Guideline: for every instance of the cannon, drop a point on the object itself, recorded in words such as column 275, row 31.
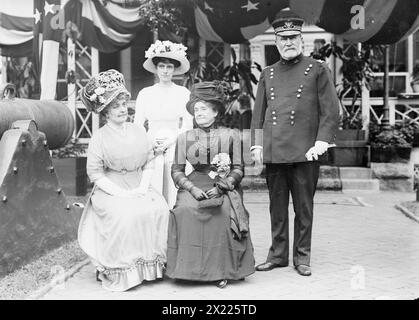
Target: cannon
column 52, row 118
column 35, row 214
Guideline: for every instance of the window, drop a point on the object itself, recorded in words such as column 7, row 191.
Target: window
column 398, row 71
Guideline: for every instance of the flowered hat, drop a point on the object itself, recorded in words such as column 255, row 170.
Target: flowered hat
column 167, row 49
column 208, row 91
column 102, row 89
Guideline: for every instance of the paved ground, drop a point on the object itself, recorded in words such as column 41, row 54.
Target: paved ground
column 363, row 248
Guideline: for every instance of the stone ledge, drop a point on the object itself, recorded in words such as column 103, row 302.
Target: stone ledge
column 392, row 170
column 394, row 176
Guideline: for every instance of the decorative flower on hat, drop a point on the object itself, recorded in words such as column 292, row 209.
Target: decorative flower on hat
column 161, row 47
column 102, row 89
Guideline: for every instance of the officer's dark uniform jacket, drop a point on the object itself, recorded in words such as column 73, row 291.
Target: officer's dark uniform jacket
column 296, row 104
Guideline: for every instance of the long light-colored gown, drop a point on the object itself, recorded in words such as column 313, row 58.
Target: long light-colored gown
column 164, row 111
column 126, row 238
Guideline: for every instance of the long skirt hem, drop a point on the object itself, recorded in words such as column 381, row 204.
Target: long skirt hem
column 122, row 279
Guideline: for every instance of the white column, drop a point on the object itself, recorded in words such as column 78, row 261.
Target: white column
column 95, row 71
column 95, row 61
column 3, row 79
column 202, row 49
column 338, row 76
column 410, row 61
column 365, row 105
column 257, row 54
column 126, row 70
column 71, row 87
column 227, row 54
column 392, row 112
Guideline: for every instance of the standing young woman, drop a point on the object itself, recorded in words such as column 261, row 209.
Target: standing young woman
column 123, row 228
column 161, row 109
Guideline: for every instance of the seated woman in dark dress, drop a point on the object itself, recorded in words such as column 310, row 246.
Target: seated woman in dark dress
column 209, row 237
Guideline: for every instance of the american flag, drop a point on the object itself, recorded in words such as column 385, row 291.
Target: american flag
column 47, row 33
column 234, row 21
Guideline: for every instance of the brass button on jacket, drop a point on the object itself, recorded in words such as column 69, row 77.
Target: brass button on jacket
column 284, row 139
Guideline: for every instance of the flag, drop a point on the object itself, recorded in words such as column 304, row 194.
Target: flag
column 16, row 24
column 383, row 22
column 108, row 26
column 47, row 33
column 234, row 21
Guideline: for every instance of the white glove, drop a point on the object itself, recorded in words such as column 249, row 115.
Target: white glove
column 319, row 148
column 257, row 155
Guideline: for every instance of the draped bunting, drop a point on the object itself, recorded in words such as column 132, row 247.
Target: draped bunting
column 46, row 45
column 16, row 25
column 235, row 21
column 386, row 22
column 107, row 27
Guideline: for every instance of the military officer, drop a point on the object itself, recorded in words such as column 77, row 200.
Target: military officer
column 297, row 108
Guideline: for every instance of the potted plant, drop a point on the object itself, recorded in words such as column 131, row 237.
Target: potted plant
column 415, row 79
column 70, row 165
column 351, row 145
column 392, row 145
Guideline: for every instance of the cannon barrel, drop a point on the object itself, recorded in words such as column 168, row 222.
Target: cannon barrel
column 52, row 117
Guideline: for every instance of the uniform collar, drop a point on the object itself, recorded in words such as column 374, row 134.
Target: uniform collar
column 292, row 61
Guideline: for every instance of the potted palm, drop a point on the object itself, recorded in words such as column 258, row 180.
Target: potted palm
column 351, row 145
column 70, row 165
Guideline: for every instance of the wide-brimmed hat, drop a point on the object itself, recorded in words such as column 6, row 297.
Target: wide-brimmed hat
column 208, row 91
column 170, row 50
column 287, row 23
column 102, row 89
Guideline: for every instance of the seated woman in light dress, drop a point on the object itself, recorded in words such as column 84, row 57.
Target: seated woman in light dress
column 123, row 228
column 209, row 237
column 161, row 109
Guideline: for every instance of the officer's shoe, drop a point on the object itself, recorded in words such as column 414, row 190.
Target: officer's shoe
column 267, row 266
column 303, row 270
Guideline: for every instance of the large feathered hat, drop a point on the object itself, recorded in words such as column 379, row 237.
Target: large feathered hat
column 170, row 50
column 208, row 91
column 102, row 89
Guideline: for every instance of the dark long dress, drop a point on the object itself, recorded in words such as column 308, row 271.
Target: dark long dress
column 201, row 243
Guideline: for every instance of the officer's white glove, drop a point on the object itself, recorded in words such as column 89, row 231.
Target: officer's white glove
column 257, row 156
column 319, row 148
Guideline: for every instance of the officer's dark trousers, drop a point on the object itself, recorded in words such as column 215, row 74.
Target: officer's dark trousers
column 301, row 180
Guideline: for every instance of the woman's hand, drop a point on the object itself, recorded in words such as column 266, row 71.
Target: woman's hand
column 198, row 194
column 213, row 193
column 161, row 146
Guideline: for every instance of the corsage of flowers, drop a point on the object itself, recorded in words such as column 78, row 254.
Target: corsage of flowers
column 98, row 94
column 222, row 163
column 160, row 47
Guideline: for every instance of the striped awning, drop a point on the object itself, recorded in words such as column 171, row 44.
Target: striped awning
column 234, row 21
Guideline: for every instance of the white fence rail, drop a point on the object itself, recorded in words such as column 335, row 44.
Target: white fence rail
column 399, row 109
